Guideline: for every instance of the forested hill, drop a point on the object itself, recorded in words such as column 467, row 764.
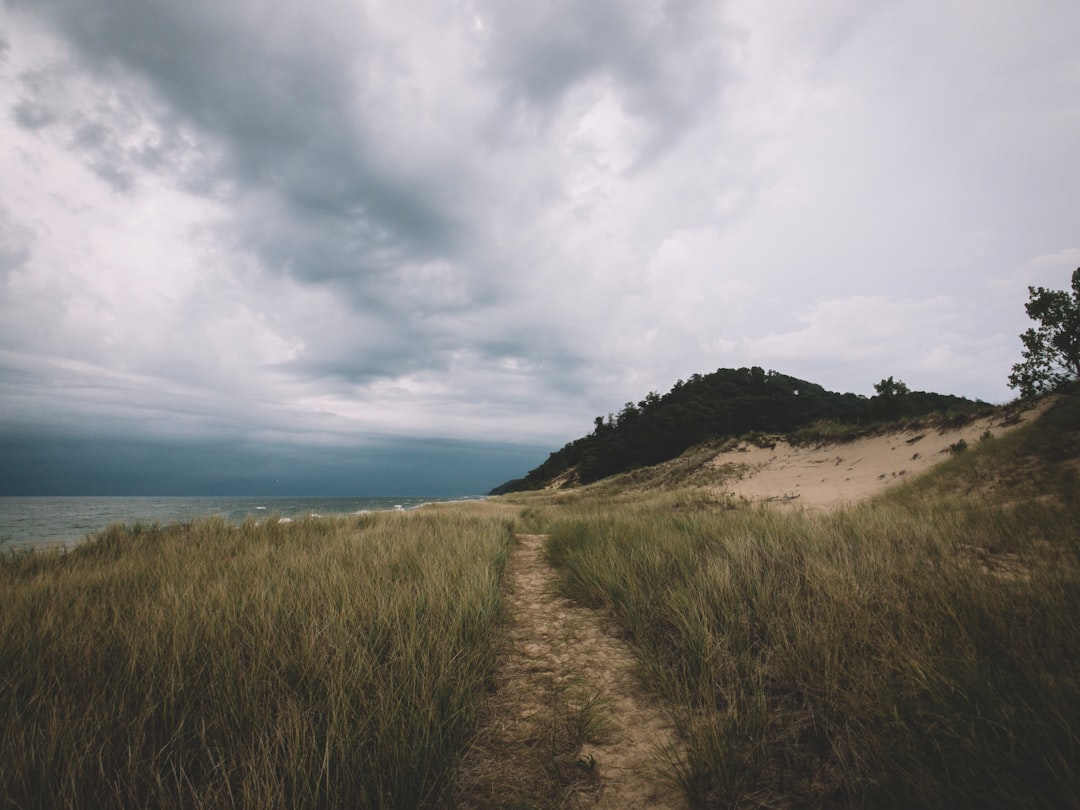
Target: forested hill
column 728, row 402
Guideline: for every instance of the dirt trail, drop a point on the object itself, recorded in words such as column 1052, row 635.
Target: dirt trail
column 563, row 677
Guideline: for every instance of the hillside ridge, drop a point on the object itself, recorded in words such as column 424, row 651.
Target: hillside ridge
column 726, row 403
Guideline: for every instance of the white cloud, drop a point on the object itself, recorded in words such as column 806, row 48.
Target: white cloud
column 932, row 344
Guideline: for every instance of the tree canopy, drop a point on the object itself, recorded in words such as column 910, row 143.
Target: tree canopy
column 1052, row 350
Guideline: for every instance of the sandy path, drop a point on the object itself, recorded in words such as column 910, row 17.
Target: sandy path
column 559, row 656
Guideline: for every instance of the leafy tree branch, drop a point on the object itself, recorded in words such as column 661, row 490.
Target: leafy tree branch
column 1051, row 351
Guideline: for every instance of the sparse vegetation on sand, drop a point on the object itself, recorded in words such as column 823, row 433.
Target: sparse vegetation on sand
column 920, row 649
column 321, row 663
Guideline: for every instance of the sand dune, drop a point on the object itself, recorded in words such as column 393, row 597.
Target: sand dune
column 826, row 476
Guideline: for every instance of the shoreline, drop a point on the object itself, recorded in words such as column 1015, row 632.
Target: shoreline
column 49, row 521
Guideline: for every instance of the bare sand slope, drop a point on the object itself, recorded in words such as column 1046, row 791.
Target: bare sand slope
column 826, row 476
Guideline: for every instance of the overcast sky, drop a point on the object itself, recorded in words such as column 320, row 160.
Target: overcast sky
column 330, row 237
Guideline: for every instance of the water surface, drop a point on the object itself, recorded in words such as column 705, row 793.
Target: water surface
column 45, row 521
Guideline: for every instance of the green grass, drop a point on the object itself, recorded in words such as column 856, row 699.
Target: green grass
column 323, row 663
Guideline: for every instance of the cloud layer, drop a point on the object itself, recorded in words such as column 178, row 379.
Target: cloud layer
column 473, row 221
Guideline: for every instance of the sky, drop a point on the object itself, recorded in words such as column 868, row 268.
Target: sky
column 411, row 247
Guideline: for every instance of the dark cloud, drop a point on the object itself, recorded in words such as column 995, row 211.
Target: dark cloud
column 668, row 65
column 115, row 130
column 290, row 118
column 31, row 115
column 286, row 99
column 37, row 107
column 15, row 242
column 57, row 464
column 281, row 123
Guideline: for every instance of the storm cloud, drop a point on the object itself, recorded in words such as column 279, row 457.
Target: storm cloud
column 376, row 227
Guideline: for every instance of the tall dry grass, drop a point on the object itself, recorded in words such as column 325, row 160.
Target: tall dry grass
column 323, row 663
column 867, row 658
column 922, row 650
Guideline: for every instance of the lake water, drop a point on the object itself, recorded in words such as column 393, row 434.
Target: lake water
column 44, row 521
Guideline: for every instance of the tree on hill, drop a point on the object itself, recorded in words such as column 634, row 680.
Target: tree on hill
column 892, row 398
column 890, row 388
column 728, row 402
column 1051, row 351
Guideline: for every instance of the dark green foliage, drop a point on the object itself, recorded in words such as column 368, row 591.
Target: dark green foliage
column 892, row 400
column 890, row 388
column 1051, row 352
column 515, row 485
column 728, row 402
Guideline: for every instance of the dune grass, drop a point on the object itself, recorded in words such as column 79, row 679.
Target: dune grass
column 863, row 658
column 322, row 663
column 919, row 650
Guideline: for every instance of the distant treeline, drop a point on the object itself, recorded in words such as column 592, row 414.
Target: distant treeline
column 728, row 402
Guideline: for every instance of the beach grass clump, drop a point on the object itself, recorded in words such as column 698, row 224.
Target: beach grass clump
column 319, row 663
column 882, row 655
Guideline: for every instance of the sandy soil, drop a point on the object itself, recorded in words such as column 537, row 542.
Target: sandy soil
column 830, row 475
column 558, row 657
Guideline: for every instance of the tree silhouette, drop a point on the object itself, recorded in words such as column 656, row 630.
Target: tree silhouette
column 1051, row 351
